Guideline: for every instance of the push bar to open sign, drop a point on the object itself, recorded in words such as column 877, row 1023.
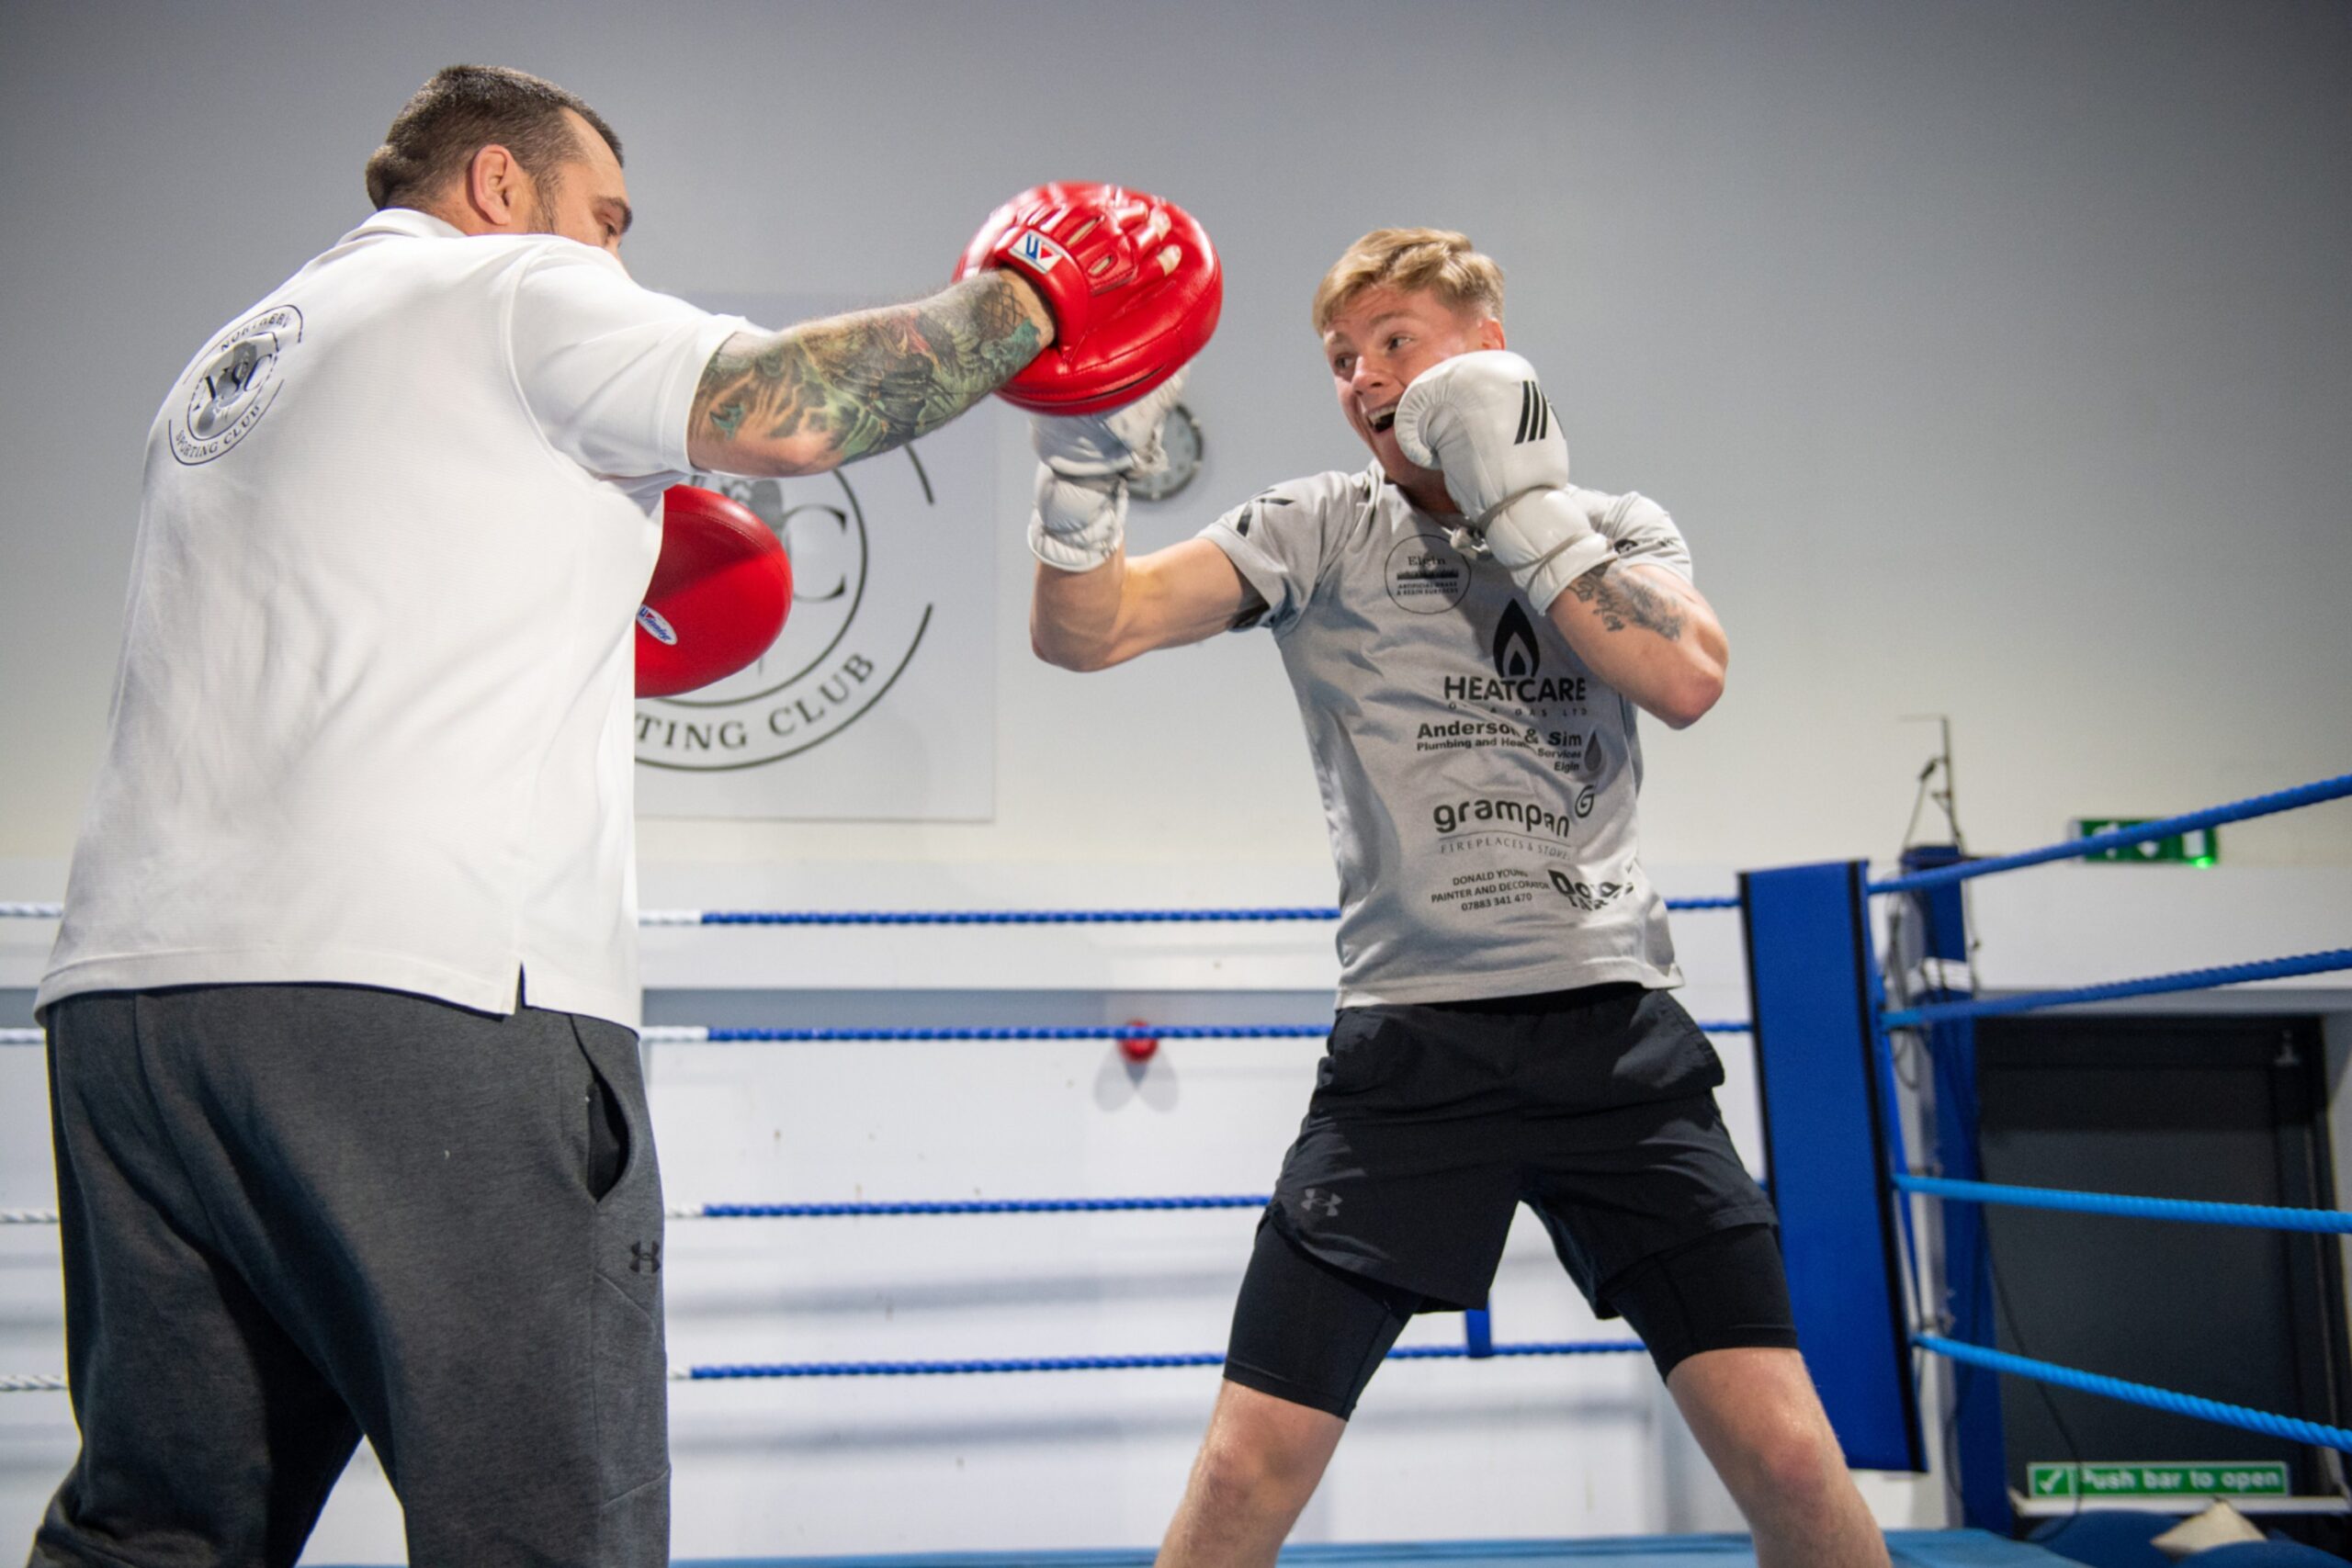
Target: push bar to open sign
column 2253, row 1478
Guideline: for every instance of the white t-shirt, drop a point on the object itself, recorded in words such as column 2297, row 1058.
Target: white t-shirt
column 1479, row 779
column 371, row 724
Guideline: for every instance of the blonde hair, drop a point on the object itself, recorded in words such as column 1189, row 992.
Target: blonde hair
column 1437, row 260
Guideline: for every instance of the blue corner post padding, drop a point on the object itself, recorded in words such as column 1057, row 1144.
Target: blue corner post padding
column 1943, row 918
column 1811, row 982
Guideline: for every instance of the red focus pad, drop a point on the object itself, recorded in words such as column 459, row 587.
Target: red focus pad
column 1132, row 280
column 719, row 595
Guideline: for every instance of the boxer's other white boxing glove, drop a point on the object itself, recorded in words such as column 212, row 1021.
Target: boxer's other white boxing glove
column 1084, row 464
column 1482, row 421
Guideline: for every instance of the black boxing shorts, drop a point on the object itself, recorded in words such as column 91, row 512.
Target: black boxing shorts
column 1431, row 1122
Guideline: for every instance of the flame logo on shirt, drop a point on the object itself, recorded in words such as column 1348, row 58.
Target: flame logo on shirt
column 1516, row 653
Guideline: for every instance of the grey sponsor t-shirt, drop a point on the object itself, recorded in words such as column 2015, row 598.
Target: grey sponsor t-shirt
column 1479, row 779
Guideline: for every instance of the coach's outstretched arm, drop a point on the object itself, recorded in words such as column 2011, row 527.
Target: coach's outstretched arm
column 828, row 393
column 1481, row 419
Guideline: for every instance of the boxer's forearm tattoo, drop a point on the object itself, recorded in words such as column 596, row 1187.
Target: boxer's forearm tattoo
column 1621, row 599
column 863, row 384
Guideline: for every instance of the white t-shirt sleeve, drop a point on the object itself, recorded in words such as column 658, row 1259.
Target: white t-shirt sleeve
column 1280, row 542
column 1640, row 528
column 608, row 368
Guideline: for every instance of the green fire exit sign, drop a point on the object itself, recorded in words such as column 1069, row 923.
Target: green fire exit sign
column 2198, row 846
column 2222, row 1478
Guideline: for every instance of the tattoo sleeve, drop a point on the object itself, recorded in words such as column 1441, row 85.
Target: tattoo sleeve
column 852, row 386
column 1623, row 599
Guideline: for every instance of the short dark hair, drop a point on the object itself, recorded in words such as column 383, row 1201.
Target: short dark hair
column 464, row 108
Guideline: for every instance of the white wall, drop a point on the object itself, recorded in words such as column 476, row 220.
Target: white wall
column 1997, row 358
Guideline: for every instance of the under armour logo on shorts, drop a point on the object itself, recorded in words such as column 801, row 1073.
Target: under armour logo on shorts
column 645, row 1258
column 1315, row 1201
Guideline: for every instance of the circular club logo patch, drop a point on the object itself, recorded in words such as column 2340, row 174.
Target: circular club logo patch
column 232, row 384
column 1427, row 575
column 851, row 633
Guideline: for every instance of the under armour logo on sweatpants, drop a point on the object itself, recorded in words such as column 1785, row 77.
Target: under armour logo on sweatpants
column 1534, row 414
column 645, row 1258
column 1316, row 1201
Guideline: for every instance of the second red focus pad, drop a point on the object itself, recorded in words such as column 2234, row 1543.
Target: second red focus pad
column 1133, row 282
column 720, row 593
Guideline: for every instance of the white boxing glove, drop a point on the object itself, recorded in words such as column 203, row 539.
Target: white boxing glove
column 1084, row 464
column 1482, row 421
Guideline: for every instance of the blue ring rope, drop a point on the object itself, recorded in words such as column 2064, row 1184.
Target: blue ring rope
column 663, row 1034
column 1537, row 1347
column 1004, row 917
column 943, row 1369
column 1110, row 1363
column 2286, row 1426
column 1075, row 1031
column 2333, row 959
column 49, row 911
column 2118, row 838
column 2255, row 1216
column 1039, row 1032
column 969, row 1206
column 1063, row 917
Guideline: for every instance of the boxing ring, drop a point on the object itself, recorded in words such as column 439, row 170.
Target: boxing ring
column 1848, row 1189
column 1881, row 1295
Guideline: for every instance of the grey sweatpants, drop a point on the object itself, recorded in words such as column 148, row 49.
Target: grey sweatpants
column 295, row 1214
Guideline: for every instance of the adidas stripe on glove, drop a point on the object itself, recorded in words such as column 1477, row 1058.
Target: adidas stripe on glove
column 1482, row 421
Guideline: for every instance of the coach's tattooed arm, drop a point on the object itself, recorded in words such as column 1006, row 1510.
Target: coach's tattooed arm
column 829, row 393
column 1649, row 633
